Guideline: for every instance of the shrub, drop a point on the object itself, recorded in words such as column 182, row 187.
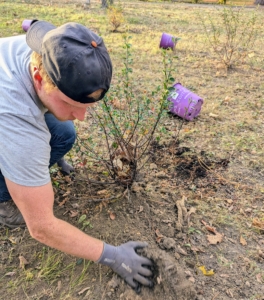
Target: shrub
column 122, row 128
column 231, row 36
column 115, row 16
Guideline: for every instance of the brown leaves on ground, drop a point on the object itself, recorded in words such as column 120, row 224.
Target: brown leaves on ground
column 123, row 158
column 213, row 239
column 73, row 213
column 112, row 215
column 159, row 237
column 243, row 241
column 103, row 193
column 22, row 262
column 119, row 104
column 259, row 224
column 63, row 201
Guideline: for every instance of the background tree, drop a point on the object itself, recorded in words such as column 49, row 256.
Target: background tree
column 105, row 3
column 260, row 2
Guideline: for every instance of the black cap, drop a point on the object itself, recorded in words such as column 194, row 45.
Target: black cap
column 74, row 57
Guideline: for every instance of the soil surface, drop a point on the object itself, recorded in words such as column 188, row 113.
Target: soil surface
column 194, row 259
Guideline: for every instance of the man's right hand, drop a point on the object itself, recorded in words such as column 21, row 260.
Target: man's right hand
column 125, row 261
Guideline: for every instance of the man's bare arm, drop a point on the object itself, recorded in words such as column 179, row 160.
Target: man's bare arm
column 36, row 206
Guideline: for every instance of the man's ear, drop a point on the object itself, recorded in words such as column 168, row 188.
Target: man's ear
column 37, row 77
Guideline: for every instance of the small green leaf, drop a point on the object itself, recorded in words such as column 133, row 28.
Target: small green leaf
column 79, row 261
column 81, row 219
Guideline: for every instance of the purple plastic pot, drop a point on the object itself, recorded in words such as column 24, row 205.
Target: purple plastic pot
column 184, row 103
column 168, row 41
column 26, row 24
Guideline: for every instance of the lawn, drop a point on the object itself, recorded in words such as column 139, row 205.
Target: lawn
column 210, row 169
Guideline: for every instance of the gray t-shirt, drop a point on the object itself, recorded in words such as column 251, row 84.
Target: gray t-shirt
column 24, row 136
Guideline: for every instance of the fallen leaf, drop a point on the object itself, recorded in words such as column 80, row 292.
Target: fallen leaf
column 224, row 275
column 122, row 174
column 180, row 250
column 63, row 201
column 158, row 234
column 153, row 166
column 67, row 179
column 118, row 164
column 214, row 239
column 135, row 188
column 10, row 274
column 112, row 216
column 208, row 227
column 159, row 239
column 213, row 115
column 159, row 280
column 229, row 293
column 22, row 261
column 66, row 194
column 140, row 208
column 259, row 278
column 73, row 213
column 220, row 66
column 258, row 223
column 161, row 174
column 196, row 249
column 119, row 104
column 260, row 253
column 229, row 201
column 205, row 272
column 243, row 241
column 166, row 221
column 102, row 192
column 83, row 290
column 75, row 205
column 231, row 208
column 13, row 240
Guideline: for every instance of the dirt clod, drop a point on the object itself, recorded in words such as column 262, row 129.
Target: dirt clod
column 170, row 280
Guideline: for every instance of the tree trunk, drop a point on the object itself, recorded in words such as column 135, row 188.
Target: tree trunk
column 105, row 3
column 260, row 2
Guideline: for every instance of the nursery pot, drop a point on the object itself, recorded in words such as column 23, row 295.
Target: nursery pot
column 184, row 103
column 27, row 23
column 168, row 41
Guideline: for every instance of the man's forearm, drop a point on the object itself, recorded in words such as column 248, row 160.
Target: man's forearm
column 36, row 206
column 63, row 236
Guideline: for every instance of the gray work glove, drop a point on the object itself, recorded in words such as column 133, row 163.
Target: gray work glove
column 127, row 263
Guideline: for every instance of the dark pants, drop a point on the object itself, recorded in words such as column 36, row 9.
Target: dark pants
column 63, row 136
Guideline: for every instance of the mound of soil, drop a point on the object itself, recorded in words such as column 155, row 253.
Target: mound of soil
column 169, row 278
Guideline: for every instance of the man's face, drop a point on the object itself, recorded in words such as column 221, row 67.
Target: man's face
column 61, row 106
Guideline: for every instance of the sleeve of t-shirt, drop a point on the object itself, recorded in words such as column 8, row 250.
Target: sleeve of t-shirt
column 24, row 150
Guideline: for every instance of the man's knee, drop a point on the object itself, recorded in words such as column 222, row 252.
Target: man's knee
column 62, row 132
column 69, row 133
